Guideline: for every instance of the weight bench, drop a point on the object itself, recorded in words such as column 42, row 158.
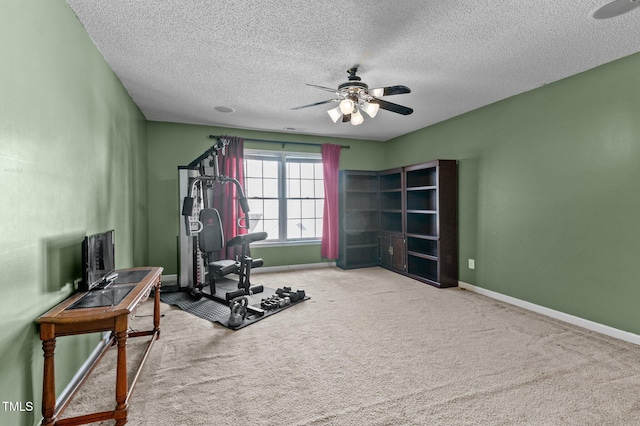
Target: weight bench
column 210, row 241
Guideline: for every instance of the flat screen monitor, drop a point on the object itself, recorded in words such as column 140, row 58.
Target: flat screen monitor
column 98, row 259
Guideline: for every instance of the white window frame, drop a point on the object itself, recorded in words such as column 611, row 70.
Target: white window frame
column 281, row 158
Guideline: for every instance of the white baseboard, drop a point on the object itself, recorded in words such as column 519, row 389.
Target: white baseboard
column 170, row 279
column 173, row 278
column 283, row 268
column 82, row 371
column 571, row 319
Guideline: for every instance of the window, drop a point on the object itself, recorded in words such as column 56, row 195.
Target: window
column 286, row 194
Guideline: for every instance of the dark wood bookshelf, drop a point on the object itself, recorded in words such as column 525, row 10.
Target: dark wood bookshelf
column 358, row 210
column 432, row 222
column 415, row 231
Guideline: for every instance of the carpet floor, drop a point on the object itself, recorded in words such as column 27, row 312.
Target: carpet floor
column 375, row 348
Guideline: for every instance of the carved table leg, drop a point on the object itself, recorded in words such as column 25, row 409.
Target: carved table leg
column 122, row 387
column 47, row 334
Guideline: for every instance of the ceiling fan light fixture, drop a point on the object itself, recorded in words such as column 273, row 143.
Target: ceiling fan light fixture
column 346, row 106
column 335, row 113
column 356, row 117
column 354, row 96
column 370, row 108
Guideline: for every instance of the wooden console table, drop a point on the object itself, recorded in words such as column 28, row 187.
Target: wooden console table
column 72, row 317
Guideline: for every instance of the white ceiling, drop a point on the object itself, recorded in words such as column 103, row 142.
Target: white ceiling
column 179, row 59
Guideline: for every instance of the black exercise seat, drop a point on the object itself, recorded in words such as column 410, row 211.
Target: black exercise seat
column 224, row 267
column 227, row 266
column 211, row 239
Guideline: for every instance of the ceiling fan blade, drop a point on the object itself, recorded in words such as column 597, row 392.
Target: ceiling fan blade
column 316, row 103
column 387, row 91
column 392, row 107
column 615, row 8
column 328, row 89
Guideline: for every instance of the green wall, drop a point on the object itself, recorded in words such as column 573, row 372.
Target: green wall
column 73, row 162
column 171, row 145
column 548, row 192
column 548, row 198
column 545, row 190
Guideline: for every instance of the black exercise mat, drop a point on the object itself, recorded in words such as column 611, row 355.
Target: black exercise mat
column 213, row 311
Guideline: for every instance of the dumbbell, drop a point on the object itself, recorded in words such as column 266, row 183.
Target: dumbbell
column 292, row 296
column 295, row 296
column 267, row 303
column 274, row 302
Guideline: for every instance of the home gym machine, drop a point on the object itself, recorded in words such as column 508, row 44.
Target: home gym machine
column 201, row 236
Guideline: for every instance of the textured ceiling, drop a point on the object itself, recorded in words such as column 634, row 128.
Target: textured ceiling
column 179, row 59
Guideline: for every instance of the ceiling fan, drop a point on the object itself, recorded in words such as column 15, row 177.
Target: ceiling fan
column 355, row 95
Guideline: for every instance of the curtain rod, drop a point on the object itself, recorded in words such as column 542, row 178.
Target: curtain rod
column 283, row 142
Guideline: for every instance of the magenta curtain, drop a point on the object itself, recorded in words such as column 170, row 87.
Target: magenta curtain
column 330, row 226
column 225, row 198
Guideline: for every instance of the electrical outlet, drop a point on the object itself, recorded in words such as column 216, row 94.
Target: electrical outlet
column 472, row 264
